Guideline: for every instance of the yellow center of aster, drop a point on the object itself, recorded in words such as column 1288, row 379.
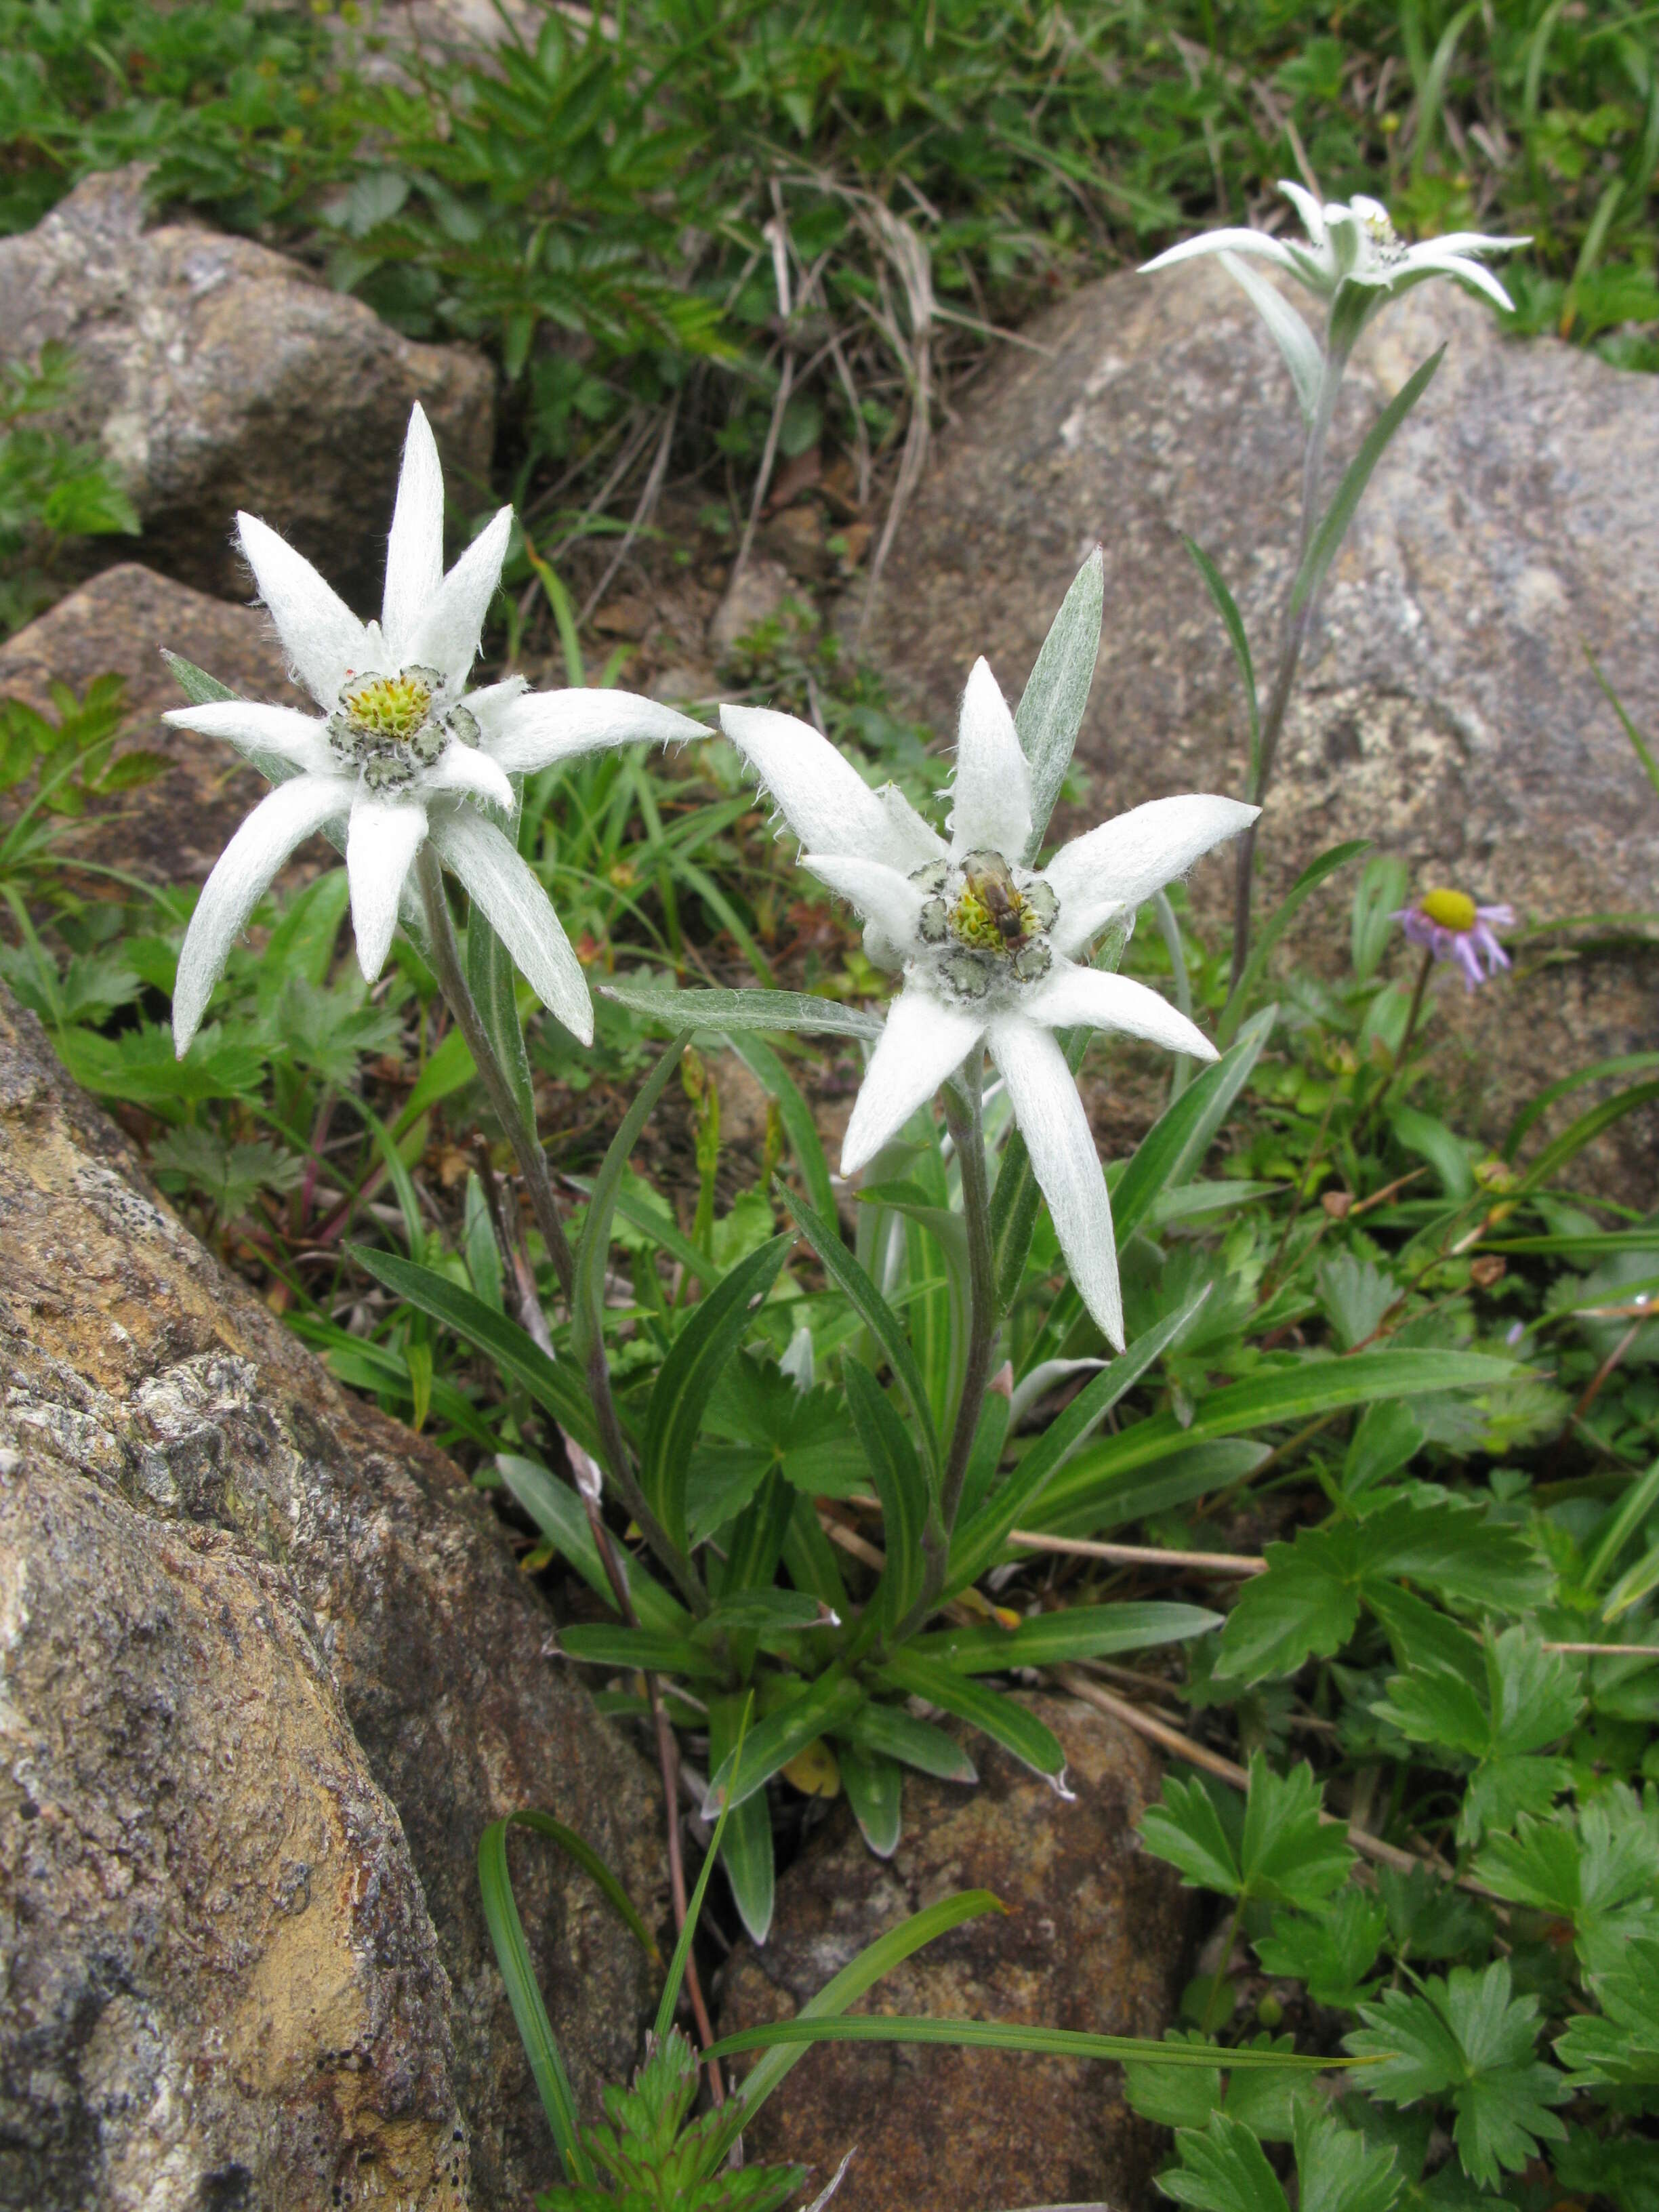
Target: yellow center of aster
column 1450, row 909
column 390, row 706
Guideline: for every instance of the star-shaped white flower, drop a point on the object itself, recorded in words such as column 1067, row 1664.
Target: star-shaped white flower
column 988, row 946
column 401, row 750
column 1355, row 243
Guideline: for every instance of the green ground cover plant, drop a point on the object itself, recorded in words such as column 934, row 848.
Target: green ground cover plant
column 1334, row 1465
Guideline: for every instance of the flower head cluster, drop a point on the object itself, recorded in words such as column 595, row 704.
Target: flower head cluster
column 1356, row 243
column 989, row 947
column 401, row 750
column 1451, row 926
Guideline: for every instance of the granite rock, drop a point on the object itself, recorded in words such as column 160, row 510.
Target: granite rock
column 200, row 1430
column 1445, row 709
column 217, row 374
column 172, row 829
column 1094, row 1938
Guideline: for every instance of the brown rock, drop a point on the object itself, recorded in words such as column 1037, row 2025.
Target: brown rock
column 1445, row 707
column 1093, row 1939
column 174, row 827
column 187, row 1411
column 217, row 374
column 221, row 1982
column 755, row 594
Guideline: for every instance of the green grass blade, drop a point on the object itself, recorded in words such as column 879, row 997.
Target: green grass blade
column 845, row 1989
column 1584, row 1131
column 1640, row 744
column 875, row 1791
column 1604, row 1071
column 998, row 2035
column 535, row 2029
column 898, row 1735
column 1173, row 1148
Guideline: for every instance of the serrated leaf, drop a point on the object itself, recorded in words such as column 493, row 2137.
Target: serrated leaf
column 1332, row 1951
column 1469, row 2040
column 1284, row 1854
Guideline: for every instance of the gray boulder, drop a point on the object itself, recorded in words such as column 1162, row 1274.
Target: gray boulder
column 216, row 374
column 1445, row 708
column 270, row 1671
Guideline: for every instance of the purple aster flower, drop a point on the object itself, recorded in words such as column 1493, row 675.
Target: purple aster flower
column 1451, row 926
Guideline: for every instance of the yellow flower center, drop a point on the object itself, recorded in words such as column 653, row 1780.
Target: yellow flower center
column 973, row 923
column 1450, row 909
column 389, row 707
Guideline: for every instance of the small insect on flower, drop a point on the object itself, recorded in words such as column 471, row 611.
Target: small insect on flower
column 1448, row 925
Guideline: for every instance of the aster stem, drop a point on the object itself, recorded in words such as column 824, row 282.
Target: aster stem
column 445, row 959
column 1414, row 1013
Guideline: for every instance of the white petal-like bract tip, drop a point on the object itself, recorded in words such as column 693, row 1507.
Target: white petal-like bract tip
column 924, row 1041
column 385, row 836
column 320, row 634
column 415, row 550
column 991, row 796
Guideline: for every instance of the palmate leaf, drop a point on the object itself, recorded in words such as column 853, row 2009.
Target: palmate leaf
column 1598, row 1869
column 1283, row 1852
column 1529, row 1698
column 1224, row 2170
column 1308, row 1601
column 1185, row 2096
column 1469, row 2040
column 1621, row 2049
column 1331, row 1952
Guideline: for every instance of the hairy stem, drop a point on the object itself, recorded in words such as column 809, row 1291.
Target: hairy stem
column 1294, row 635
column 962, row 1119
column 446, row 958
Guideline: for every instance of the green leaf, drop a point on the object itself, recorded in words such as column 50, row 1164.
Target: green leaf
column 1223, row 2170
column 1226, row 605
column 899, row 1484
column 491, row 978
column 823, row 1235
column 875, row 1789
column 1053, row 1639
column 1295, row 1392
column 1285, row 1852
column 1277, row 923
column 1530, row 1699
column 1332, row 528
column 889, row 1731
column 1015, row 1727
column 1598, row 1869
column 805, row 1146
column 977, row 1546
column 1298, row 348
column 1621, row 2050
column 1331, row 1952
column 688, row 1375
column 513, row 1956
column 1056, row 696
column 750, row 1868
column 789, row 1012
column 587, row 1298
column 642, row 1650
column 1308, row 1601
column 1173, row 1148
column 552, row 1384
column 1184, row 2097
column 1469, row 2040
column 562, row 1519
column 827, row 1706
column 806, row 2028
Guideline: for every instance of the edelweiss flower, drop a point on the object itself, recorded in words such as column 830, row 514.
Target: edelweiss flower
column 987, row 944
column 1355, row 244
column 401, row 751
column 1451, row 926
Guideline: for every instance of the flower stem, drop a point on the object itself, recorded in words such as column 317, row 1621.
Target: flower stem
column 963, row 1119
column 1414, row 1012
column 1294, row 635
column 445, row 959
